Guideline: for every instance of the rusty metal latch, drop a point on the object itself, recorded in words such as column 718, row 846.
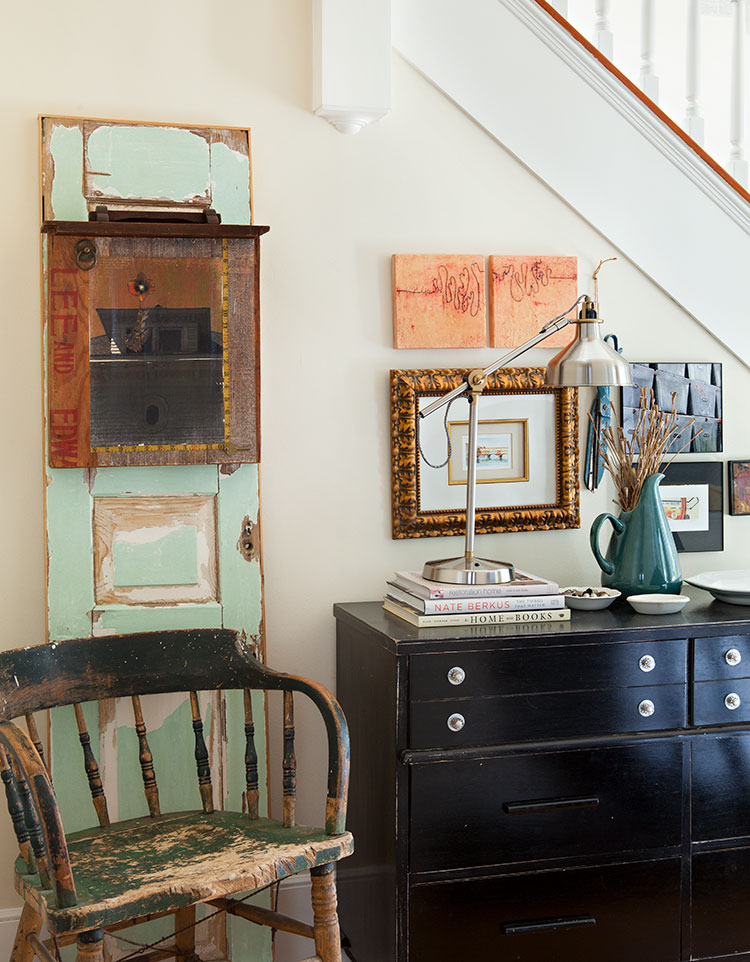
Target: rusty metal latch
column 85, row 252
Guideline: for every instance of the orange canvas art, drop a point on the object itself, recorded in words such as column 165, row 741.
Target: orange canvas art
column 439, row 301
column 525, row 293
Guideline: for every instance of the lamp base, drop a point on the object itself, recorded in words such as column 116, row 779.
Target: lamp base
column 469, row 571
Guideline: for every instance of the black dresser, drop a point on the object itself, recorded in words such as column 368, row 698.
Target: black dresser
column 575, row 792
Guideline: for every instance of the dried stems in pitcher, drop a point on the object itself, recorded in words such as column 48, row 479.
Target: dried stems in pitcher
column 655, row 431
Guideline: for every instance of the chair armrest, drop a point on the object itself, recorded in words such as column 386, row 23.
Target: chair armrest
column 42, row 815
column 265, row 678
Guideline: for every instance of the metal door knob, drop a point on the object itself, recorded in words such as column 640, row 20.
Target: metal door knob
column 647, row 663
column 733, row 657
column 456, row 722
column 646, row 708
column 456, row 676
column 732, row 701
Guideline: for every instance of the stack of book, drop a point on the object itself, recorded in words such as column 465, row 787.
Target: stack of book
column 432, row 604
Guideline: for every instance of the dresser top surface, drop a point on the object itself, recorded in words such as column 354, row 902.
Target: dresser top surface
column 702, row 616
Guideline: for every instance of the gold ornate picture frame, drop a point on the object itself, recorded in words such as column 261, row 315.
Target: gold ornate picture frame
column 544, row 497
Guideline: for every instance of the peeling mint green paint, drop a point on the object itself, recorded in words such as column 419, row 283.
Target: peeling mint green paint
column 250, row 942
column 187, row 479
column 69, row 545
column 163, row 163
column 116, row 619
column 68, row 202
column 169, row 559
column 230, row 183
column 71, row 785
column 240, row 581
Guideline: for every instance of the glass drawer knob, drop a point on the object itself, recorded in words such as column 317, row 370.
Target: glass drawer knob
column 733, row 657
column 647, row 663
column 646, row 708
column 456, row 722
column 732, row 701
column 456, row 676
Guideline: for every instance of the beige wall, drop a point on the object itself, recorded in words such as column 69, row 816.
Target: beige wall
column 423, row 179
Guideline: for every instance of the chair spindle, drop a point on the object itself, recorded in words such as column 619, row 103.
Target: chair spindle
column 146, row 759
column 33, row 827
column 15, row 809
column 92, row 769
column 34, row 736
column 289, row 765
column 251, row 758
column 201, row 756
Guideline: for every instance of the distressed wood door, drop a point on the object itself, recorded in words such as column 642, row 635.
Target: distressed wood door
column 139, row 548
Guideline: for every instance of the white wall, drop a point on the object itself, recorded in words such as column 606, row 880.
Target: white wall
column 423, row 179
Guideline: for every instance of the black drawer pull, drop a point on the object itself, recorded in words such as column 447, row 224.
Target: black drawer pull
column 550, row 804
column 545, row 925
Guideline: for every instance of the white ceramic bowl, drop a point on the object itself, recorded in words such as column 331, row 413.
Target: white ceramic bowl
column 658, row 604
column 602, row 599
column 732, row 587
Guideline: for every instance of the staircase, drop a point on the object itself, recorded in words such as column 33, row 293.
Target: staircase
column 556, row 103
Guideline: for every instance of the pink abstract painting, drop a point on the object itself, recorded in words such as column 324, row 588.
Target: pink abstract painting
column 525, row 293
column 439, row 301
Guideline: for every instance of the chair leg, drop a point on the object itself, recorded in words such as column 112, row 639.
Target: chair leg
column 325, row 919
column 29, row 924
column 90, row 946
column 184, row 927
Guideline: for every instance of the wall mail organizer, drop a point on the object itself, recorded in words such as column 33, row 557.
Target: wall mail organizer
column 152, row 343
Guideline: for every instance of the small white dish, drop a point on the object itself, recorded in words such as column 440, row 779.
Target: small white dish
column 733, row 587
column 602, row 598
column 658, row 604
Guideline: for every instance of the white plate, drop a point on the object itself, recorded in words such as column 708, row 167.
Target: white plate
column 658, row 604
column 730, row 586
column 592, row 602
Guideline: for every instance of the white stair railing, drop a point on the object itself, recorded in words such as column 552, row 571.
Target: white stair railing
column 693, row 120
column 630, row 35
column 737, row 162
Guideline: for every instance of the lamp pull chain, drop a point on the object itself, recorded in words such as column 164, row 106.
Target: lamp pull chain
column 447, row 439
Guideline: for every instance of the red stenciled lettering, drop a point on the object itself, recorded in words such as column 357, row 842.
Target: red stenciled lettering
column 63, row 357
column 64, row 436
column 69, row 323
column 69, row 298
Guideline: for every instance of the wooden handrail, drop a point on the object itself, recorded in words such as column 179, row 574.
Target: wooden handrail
column 637, row 92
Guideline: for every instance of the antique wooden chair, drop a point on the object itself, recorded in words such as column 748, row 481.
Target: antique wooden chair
column 114, row 875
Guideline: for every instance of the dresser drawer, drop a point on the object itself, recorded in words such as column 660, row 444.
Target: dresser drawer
column 492, row 721
column 721, row 894
column 616, row 913
column 517, row 671
column 491, row 811
column 721, row 787
column 721, row 702
column 725, row 657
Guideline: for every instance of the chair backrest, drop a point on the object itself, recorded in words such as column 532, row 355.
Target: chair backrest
column 90, row 669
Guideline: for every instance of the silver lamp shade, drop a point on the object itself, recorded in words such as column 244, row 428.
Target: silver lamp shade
column 588, row 362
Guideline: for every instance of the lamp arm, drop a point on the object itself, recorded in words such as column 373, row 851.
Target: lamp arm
column 557, row 324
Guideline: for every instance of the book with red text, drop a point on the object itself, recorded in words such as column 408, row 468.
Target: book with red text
column 442, row 606
column 523, row 584
column 475, row 618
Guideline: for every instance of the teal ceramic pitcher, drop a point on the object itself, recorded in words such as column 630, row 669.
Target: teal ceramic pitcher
column 641, row 557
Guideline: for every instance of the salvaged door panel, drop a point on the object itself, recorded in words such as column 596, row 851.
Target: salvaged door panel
column 134, row 545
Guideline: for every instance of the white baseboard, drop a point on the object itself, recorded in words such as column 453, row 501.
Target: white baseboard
column 294, row 900
column 8, row 925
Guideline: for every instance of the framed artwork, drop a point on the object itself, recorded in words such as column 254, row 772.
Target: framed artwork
column 152, row 343
column 739, row 487
column 692, row 493
column 695, row 389
column 527, row 459
column 439, row 301
column 525, row 293
column 502, row 451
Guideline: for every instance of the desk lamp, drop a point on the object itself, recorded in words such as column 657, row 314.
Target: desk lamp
column 588, row 362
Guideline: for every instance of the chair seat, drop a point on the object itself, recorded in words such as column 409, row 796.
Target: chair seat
column 146, row 865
